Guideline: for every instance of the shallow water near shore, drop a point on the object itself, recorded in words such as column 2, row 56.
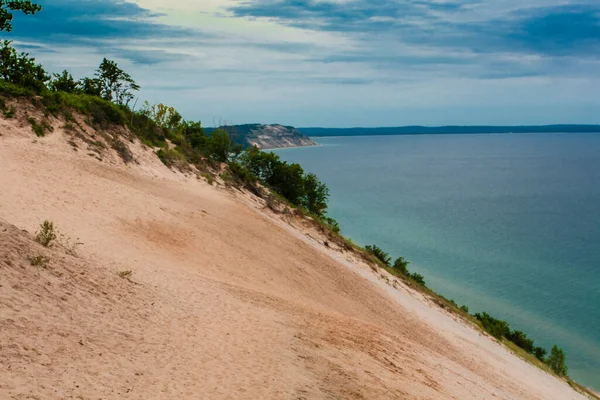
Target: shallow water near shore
column 508, row 224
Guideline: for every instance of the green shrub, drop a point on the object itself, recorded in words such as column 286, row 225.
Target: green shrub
column 39, row 128
column 122, row 149
column 47, row 234
column 401, row 265
column 21, row 69
column 540, row 353
column 12, row 90
column 419, row 279
column 495, row 327
column 556, row 361
column 10, row 112
column 379, row 254
column 464, row 308
column 171, row 157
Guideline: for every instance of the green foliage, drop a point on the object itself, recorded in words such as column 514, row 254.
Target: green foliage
column 379, row 254
column 46, row 235
column 171, row 157
column 464, row 308
column 194, row 134
column 316, row 195
column 90, row 86
column 556, row 361
column 116, row 85
column 122, row 149
column 332, row 224
column 401, row 265
column 219, row 146
column 20, row 69
column 64, row 82
column 540, row 353
column 520, row 339
column 417, row 278
column 146, row 129
column 102, row 112
column 288, row 180
column 11, row 90
column 7, row 7
column 39, row 128
column 495, row 327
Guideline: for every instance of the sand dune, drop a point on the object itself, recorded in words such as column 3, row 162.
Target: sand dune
column 225, row 301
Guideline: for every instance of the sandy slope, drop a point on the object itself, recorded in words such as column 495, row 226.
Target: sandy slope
column 225, row 301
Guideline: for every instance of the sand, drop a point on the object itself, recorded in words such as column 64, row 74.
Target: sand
column 225, row 300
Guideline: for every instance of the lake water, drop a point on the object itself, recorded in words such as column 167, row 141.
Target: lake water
column 508, row 224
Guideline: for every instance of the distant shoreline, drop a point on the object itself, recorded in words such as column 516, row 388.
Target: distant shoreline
column 446, row 130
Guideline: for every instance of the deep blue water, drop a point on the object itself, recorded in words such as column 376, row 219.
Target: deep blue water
column 508, row 224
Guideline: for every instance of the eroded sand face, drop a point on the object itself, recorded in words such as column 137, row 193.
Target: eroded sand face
column 225, row 302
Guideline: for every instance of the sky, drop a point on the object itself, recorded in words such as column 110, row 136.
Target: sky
column 337, row 63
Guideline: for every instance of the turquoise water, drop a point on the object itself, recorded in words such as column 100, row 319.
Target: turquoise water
column 509, row 224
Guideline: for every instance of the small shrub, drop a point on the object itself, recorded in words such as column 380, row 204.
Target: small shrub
column 47, row 234
column 10, row 112
column 227, row 177
column 122, row 149
column 125, row 274
column 419, row 279
column 464, row 308
column 209, row 178
column 171, row 157
column 38, row 261
column 332, row 224
column 39, row 128
column 379, row 254
column 401, row 265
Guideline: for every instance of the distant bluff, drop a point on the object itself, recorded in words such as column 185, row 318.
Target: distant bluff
column 263, row 136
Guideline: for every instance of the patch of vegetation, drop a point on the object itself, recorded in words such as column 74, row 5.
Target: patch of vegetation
column 208, row 177
column 125, row 274
column 10, row 112
column 379, row 254
column 40, row 128
column 46, row 234
column 171, row 157
column 38, row 261
column 122, row 149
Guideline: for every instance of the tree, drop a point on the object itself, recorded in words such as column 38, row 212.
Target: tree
column 401, row 265
column 116, row 85
column 21, row 69
column 194, row 134
column 540, row 353
column 163, row 115
column 315, row 195
column 556, row 361
column 220, row 147
column 64, row 82
column 7, row 7
column 91, row 86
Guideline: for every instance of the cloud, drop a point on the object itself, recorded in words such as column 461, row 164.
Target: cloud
column 478, row 26
column 112, row 27
column 337, row 62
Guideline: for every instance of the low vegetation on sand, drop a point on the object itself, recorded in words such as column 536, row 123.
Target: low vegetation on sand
column 105, row 99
